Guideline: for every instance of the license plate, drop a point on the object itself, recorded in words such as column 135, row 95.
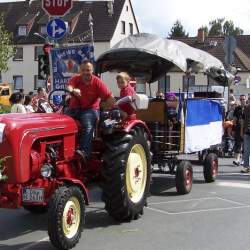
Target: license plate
column 33, row 195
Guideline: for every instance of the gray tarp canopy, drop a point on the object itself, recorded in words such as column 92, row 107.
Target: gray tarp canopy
column 152, row 56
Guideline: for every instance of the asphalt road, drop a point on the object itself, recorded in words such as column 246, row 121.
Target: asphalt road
column 213, row 216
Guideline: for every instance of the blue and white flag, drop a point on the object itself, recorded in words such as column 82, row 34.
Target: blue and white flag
column 203, row 125
column 66, row 61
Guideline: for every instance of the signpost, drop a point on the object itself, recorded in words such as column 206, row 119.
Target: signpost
column 56, row 29
column 57, row 7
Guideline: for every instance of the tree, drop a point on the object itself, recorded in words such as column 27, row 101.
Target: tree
column 177, row 30
column 7, row 50
column 222, row 27
column 230, row 30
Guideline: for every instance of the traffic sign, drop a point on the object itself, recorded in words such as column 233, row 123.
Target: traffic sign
column 229, row 47
column 56, row 29
column 57, row 7
column 237, row 79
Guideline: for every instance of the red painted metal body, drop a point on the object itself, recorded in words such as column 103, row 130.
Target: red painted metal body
column 23, row 131
column 32, row 140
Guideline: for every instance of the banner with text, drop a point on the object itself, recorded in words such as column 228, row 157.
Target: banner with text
column 65, row 63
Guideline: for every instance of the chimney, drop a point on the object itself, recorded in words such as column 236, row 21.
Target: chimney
column 201, row 35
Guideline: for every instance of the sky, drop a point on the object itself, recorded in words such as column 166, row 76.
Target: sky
column 158, row 16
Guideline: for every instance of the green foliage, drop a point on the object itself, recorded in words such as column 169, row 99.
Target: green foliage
column 222, row 27
column 7, row 50
column 230, row 30
column 177, row 30
column 4, row 109
column 3, row 177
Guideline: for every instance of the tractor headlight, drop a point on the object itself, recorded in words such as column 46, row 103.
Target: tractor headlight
column 46, row 170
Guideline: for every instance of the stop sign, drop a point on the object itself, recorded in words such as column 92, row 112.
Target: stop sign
column 57, row 7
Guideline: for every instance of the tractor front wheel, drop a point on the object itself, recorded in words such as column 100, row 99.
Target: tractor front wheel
column 66, row 217
column 184, row 177
column 127, row 174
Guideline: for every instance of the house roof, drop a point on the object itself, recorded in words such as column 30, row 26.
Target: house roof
column 214, row 46
column 17, row 13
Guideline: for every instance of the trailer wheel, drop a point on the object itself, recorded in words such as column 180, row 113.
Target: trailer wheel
column 127, row 174
column 66, row 217
column 210, row 168
column 184, row 177
column 36, row 209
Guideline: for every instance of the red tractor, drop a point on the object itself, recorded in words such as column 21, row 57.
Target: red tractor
column 42, row 171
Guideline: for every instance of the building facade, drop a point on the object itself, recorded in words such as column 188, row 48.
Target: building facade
column 112, row 22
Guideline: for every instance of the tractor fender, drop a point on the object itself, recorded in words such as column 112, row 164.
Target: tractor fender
column 78, row 183
column 137, row 123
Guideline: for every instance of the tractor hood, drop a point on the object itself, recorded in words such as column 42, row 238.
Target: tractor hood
column 152, row 56
column 18, row 132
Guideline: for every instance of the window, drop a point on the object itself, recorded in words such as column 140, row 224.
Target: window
column 18, row 82
column 43, row 29
column 22, row 31
column 131, row 29
column 19, row 54
column 164, row 84
column 127, row 8
column 39, row 83
column 123, row 27
column 38, row 51
column 188, row 81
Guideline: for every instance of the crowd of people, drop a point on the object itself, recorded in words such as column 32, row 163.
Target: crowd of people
column 22, row 103
column 237, row 129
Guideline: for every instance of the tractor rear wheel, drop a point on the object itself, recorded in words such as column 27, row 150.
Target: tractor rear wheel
column 66, row 217
column 127, row 174
column 184, row 177
column 210, row 169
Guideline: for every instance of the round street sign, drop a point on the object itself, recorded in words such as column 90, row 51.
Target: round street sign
column 56, row 28
column 57, row 7
column 237, row 79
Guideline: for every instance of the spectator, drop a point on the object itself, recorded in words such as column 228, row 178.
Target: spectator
column 21, row 91
column 41, row 95
column 16, row 100
column 28, row 104
column 31, row 93
column 246, row 136
column 159, row 95
column 238, row 117
column 231, row 96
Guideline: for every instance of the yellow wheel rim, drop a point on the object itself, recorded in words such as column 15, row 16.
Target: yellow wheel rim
column 71, row 217
column 136, row 173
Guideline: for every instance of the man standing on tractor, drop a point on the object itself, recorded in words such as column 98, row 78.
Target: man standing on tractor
column 87, row 90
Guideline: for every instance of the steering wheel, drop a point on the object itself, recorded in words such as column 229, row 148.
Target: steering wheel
column 60, row 106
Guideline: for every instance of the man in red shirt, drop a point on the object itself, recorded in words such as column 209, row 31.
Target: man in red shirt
column 87, row 90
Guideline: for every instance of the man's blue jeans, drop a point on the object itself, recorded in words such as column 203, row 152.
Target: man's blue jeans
column 246, row 152
column 88, row 119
